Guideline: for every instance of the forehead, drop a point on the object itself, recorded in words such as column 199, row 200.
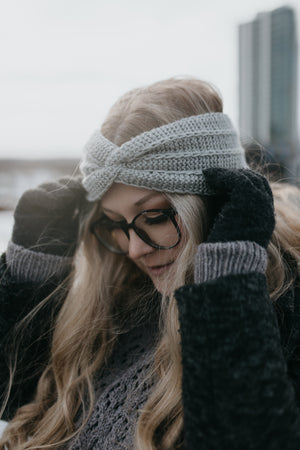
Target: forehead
column 121, row 194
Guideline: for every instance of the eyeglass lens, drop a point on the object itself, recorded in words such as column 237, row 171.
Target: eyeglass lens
column 155, row 228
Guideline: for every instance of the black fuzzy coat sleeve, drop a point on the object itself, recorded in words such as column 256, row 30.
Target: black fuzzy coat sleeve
column 16, row 301
column 240, row 367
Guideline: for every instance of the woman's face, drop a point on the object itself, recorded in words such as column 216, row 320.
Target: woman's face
column 125, row 202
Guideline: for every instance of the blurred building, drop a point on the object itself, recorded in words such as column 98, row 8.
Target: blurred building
column 268, row 57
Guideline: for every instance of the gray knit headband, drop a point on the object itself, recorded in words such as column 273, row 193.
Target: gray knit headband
column 169, row 158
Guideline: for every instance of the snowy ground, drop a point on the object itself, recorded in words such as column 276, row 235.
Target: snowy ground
column 6, row 224
column 2, row 426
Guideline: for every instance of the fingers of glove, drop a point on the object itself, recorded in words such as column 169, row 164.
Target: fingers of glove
column 258, row 183
column 240, row 185
column 68, row 188
column 221, row 180
column 67, row 183
column 228, row 180
column 46, row 237
column 248, row 213
column 47, row 218
column 252, row 202
column 51, row 198
column 235, row 225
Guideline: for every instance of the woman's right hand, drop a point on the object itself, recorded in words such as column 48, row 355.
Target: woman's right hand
column 47, row 218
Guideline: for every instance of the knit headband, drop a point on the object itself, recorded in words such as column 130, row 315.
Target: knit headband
column 170, row 158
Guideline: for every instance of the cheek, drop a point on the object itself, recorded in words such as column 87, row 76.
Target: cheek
column 173, row 253
column 183, row 239
column 183, row 231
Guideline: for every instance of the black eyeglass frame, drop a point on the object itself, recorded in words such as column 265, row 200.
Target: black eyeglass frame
column 124, row 226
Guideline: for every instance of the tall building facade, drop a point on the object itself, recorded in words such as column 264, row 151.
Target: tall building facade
column 268, row 56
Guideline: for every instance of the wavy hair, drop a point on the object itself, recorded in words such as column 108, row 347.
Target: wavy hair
column 116, row 293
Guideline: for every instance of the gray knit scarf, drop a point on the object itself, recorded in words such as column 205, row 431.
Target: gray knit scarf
column 170, row 158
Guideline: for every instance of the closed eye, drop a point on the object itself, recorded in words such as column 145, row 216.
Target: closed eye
column 156, row 220
column 109, row 224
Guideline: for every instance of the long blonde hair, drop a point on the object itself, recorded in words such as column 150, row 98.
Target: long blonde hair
column 108, row 291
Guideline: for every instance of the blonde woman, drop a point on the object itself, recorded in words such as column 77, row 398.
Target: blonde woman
column 154, row 304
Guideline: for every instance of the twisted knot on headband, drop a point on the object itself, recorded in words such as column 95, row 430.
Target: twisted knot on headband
column 170, row 158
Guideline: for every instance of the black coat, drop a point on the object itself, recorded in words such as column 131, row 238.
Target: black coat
column 241, row 359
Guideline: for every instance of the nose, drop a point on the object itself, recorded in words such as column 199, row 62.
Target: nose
column 137, row 247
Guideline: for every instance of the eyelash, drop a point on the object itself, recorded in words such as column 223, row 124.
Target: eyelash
column 111, row 221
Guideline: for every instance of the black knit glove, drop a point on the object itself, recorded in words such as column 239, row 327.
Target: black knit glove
column 247, row 213
column 47, row 218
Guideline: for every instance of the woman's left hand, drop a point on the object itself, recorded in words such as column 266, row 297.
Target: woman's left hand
column 248, row 211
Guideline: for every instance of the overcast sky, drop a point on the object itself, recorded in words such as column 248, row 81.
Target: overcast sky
column 64, row 62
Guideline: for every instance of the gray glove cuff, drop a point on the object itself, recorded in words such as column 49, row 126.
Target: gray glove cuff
column 26, row 265
column 214, row 260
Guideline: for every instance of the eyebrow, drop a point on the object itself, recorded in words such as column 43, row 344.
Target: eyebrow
column 147, row 197
column 140, row 202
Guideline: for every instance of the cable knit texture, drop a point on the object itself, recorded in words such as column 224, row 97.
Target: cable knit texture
column 170, row 158
column 121, row 392
column 221, row 259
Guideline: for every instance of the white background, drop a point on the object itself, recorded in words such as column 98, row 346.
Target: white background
column 6, row 224
column 64, row 62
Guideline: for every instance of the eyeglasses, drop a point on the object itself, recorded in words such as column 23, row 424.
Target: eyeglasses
column 156, row 227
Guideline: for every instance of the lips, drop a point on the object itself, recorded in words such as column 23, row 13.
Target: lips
column 159, row 270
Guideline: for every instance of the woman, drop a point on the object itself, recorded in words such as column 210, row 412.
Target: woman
column 163, row 311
